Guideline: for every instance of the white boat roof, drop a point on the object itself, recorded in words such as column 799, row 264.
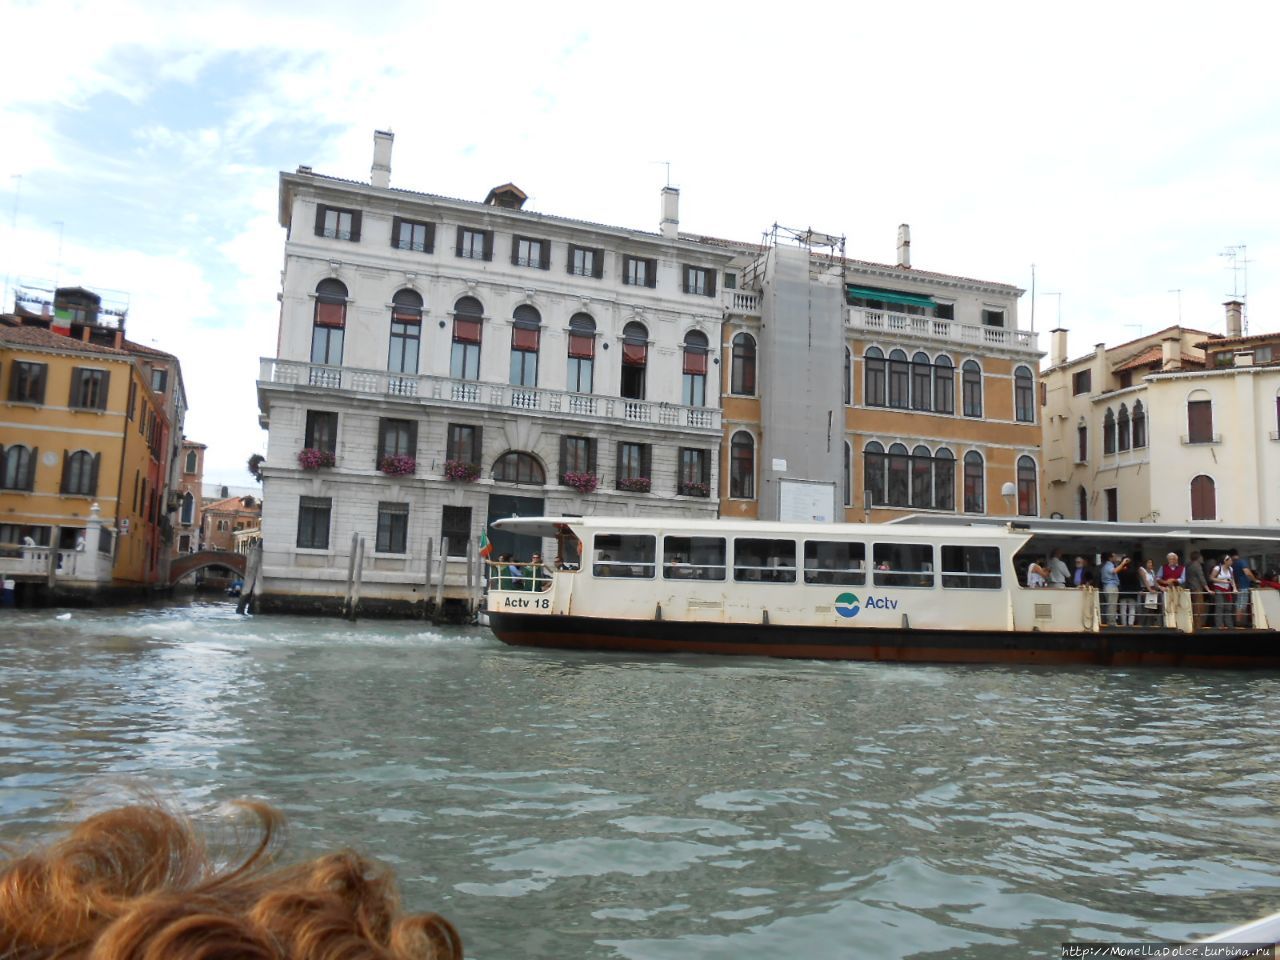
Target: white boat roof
column 551, row 526
column 1047, row 528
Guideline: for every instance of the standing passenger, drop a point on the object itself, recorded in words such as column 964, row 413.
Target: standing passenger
column 1131, row 595
column 1245, row 579
column 1058, row 572
column 1199, row 587
column 1111, row 588
column 1221, row 582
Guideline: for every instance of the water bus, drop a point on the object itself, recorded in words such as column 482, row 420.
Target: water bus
column 915, row 591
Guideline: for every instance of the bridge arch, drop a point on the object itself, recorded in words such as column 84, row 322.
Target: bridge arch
column 190, row 563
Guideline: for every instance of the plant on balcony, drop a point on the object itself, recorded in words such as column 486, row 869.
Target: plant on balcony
column 397, row 465
column 461, row 470
column 635, row 484
column 695, row 488
column 311, row 458
column 582, row 482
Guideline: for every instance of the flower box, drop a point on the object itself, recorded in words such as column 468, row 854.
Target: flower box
column 635, row 484
column 397, row 465
column 461, row 470
column 582, row 482
column 310, row 458
column 695, row 489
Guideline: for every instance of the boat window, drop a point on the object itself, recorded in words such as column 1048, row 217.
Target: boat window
column 765, row 561
column 977, row 568
column 624, row 555
column 835, row 561
column 693, row 558
column 903, row 564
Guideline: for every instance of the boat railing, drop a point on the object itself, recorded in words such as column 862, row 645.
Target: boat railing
column 529, row 579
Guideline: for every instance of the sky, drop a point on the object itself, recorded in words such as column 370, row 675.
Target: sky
column 1119, row 148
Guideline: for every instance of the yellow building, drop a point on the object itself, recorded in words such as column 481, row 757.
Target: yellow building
column 81, row 444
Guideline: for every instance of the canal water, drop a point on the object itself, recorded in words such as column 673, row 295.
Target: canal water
column 567, row 805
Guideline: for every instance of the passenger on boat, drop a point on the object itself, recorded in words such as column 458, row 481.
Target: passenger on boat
column 514, row 574
column 1270, row 580
column 1078, row 575
column 139, row 881
column 1131, row 595
column 1058, row 572
column 1111, row 587
column 1149, row 614
column 1222, row 583
column 538, row 573
column 1198, row 584
column 1244, row 578
column 1037, row 575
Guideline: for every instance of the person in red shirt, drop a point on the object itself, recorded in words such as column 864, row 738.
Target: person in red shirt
column 1172, row 574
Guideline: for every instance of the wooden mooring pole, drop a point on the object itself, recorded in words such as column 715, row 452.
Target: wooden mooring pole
column 357, row 580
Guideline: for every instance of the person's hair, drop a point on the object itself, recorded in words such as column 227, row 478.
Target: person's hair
column 139, row 882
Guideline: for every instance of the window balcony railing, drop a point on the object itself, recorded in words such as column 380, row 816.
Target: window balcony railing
column 742, row 301
column 450, row 392
column 1195, row 441
column 936, row 328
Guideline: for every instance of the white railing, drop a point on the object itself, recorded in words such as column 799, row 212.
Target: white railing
column 936, row 328
column 79, row 565
column 490, row 395
column 742, row 301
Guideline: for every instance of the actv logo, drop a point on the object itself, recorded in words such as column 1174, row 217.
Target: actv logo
column 848, row 604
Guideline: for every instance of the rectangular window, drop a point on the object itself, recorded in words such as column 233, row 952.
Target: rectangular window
column 26, row 381
column 1113, row 504
column 396, row 438
column 455, row 528
column 835, row 562
column 463, row 443
column 313, row 522
column 133, row 399
column 693, row 558
column 393, row 527
column 464, row 361
column 475, row 244
column 993, row 318
column 730, row 281
column 1200, row 421
column 528, row 252
column 402, row 352
column 903, row 564
column 1082, row 444
column 764, row 561
column 159, row 379
column 899, row 383
column 699, row 281
column 577, row 455
column 413, row 235
column 1081, row 382
column 624, row 555
column 639, row 272
column 944, row 311
column 586, row 261
column 80, row 473
column 694, row 476
column 633, row 467
column 322, row 431
column 973, row 568
column 337, row 223
column 89, row 388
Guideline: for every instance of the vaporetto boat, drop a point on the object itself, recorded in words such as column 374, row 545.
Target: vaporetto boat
column 915, row 592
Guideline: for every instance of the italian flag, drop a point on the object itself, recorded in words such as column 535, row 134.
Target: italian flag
column 486, row 547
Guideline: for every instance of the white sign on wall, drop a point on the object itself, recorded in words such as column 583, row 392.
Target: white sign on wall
column 806, row 501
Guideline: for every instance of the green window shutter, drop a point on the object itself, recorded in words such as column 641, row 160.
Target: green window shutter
column 93, row 476
column 320, row 220
column 31, row 468
column 355, row 226
column 106, row 390
column 66, row 470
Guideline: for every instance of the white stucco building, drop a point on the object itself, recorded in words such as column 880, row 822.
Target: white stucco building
column 445, row 362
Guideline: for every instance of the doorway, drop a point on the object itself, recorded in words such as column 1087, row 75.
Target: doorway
column 520, row 546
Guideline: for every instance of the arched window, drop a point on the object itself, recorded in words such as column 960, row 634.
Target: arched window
column 874, row 376
column 464, row 359
column 944, row 479
column 18, row 464
column 848, row 468
column 921, row 477
column 1082, row 503
column 971, row 387
column 80, row 473
column 330, row 322
column 694, row 382
column 526, row 331
column 921, row 382
column 742, row 380
column 742, row 466
column 190, row 466
column 1204, row 498
column 635, row 357
column 1024, row 395
column 944, row 385
column 1028, row 498
column 516, row 466
column 582, row 353
column 1108, row 432
column 1139, row 426
column 899, row 475
column 974, row 483
column 188, row 509
column 1122, row 429
column 1199, row 417
column 406, row 331
column 848, row 376
column 899, row 379
column 873, row 472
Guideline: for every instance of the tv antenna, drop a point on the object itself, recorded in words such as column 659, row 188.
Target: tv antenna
column 667, row 164
column 1179, row 293
column 1239, row 278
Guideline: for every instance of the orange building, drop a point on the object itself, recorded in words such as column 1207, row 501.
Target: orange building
column 186, row 532
column 224, row 518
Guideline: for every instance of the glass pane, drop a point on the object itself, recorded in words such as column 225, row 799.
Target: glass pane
column 836, row 562
column 624, row 555
column 974, row 568
column 765, row 561
column 903, row 564
column 693, row 558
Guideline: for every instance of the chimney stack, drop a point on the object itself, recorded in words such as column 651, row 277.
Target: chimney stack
column 670, row 225
column 904, row 245
column 380, row 173
column 1058, row 350
column 1235, row 317
column 1171, row 353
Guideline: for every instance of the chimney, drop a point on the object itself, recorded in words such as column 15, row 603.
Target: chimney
column 670, row 225
column 904, row 245
column 380, row 174
column 1235, row 317
column 1171, row 353
column 1058, row 351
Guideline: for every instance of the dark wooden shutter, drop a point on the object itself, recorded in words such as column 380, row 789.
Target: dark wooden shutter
column 320, row 209
column 488, row 244
column 395, row 231
column 711, row 282
column 73, row 400
column 1200, row 421
column 93, row 475
column 544, row 255
column 66, row 470
column 429, row 239
column 31, row 468
column 597, row 263
column 355, row 226
column 382, row 442
column 564, row 457
column 568, row 263
column 591, row 455
column 458, row 249
column 706, row 468
column 476, row 448
column 106, row 390
column 646, row 465
column 617, row 460
column 651, row 273
column 515, row 251
column 413, row 439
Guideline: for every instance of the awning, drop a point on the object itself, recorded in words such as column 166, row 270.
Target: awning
column 889, row 296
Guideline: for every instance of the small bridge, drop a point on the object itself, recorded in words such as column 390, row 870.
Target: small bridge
column 189, row 563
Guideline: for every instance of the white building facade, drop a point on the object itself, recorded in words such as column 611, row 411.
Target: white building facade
column 442, row 363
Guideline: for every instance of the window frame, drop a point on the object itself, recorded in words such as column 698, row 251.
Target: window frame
column 742, row 466
column 310, row 509
column 690, row 461
column 428, row 235
column 543, row 259
column 971, row 388
column 698, row 281
column 471, row 237
column 596, row 269
column 742, row 374
column 1024, row 395
column 352, row 233
column 463, row 443
column 90, row 388
column 392, row 536
column 650, row 265
column 23, row 388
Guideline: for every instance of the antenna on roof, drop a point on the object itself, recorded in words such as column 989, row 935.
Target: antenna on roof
column 1239, row 278
column 667, row 164
column 13, row 235
column 1179, row 293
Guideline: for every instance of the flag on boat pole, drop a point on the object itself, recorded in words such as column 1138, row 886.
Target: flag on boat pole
column 486, row 547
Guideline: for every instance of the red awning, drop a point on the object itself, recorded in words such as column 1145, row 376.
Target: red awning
column 582, row 346
column 695, row 361
column 406, row 315
column 466, row 331
column 634, row 354
column 524, row 338
column 331, row 314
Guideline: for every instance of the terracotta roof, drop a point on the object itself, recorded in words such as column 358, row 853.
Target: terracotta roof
column 39, row 337
column 234, row 504
column 133, row 347
column 1155, row 355
column 1236, row 341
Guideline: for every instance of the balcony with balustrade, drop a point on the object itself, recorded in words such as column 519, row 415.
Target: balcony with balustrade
column 940, row 330
column 494, row 397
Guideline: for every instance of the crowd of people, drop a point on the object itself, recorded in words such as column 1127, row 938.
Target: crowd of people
column 507, row 573
column 1136, row 592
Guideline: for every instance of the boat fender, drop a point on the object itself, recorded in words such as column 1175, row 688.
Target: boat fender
column 657, row 612
column 765, row 618
column 906, row 624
